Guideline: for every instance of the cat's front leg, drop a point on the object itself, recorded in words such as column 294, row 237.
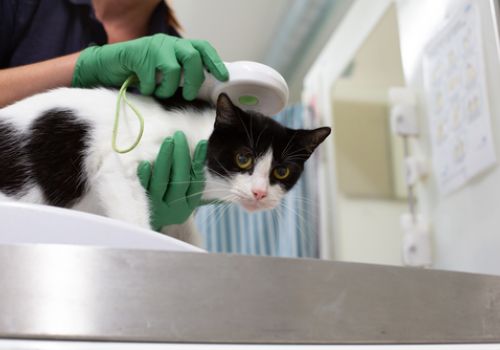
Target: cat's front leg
column 186, row 232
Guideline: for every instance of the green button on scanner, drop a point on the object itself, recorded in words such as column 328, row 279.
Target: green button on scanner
column 248, row 100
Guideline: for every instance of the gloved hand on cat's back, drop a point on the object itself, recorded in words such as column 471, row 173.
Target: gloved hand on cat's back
column 174, row 183
column 111, row 65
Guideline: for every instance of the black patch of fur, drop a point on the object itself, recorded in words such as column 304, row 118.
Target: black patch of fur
column 14, row 168
column 56, row 145
column 177, row 102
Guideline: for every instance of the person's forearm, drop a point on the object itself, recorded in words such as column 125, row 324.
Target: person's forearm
column 20, row 82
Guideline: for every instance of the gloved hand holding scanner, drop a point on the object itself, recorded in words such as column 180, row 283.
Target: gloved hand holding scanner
column 111, row 65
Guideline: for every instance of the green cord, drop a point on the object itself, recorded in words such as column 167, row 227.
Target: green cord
column 123, row 95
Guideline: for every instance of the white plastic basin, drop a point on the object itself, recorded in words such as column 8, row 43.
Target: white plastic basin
column 22, row 223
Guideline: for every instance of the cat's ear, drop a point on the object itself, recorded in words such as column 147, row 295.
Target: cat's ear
column 225, row 111
column 311, row 139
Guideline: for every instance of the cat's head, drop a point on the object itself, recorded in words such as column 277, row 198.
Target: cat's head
column 252, row 160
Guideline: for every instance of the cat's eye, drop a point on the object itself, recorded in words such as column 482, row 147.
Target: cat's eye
column 244, row 160
column 281, row 172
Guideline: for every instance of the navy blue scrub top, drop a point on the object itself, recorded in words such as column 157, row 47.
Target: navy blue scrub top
column 36, row 30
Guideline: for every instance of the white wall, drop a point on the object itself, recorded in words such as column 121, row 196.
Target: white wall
column 352, row 229
column 466, row 224
column 240, row 30
column 368, row 231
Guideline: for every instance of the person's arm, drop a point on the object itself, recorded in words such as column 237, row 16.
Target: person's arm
column 110, row 65
column 20, row 82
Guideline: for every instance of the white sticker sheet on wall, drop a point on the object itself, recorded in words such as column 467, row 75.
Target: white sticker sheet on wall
column 457, row 101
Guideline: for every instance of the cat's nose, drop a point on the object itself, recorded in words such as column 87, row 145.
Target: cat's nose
column 259, row 194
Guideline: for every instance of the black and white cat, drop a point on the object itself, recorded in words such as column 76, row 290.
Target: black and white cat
column 55, row 148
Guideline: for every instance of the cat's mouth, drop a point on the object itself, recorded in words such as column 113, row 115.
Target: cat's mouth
column 251, row 205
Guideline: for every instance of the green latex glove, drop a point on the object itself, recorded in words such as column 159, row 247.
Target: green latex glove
column 111, row 65
column 174, row 183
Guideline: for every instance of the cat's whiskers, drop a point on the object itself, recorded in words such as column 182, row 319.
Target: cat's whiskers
column 303, row 156
column 274, row 201
column 314, row 214
column 193, row 194
column 296, row 155
column 223, row 167
column 297, row 151
column 218, row 210
column 216, row 172
column 306, row 200
column 189, row 182
column 258, row 138
column 220, row 184
column 200, row 181
column 251, row 131
column 214, row 208
column 300, row 158
column 219, row 174
column 289, row 208
column 239, row 192
column 223, row 208
column 288, row 145
column 301, row 218
column 277, row 219
column 250, row 138
column 276, row 222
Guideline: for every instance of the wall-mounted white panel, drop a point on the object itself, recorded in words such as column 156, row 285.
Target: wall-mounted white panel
column 466, row 224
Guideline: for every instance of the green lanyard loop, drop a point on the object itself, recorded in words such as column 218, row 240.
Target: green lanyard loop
column 123, row 95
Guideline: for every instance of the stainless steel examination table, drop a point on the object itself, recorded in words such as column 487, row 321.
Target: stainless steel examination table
column 104, row 296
